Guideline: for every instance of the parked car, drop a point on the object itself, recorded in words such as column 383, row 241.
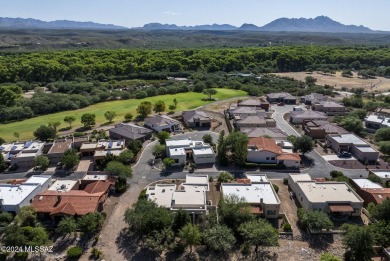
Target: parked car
column 345, row 154
column 281, row 104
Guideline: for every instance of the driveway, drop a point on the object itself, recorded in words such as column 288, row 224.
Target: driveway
column 320, row 167
column 85, row 164
column 335, row 157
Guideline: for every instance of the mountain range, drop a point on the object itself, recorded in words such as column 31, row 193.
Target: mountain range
column 29, row 23
column 318, row 24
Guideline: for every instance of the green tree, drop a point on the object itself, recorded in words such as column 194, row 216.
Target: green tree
column 126, row 157
column 180, row 219
column 146, row 217
column 234, row 211
column 219, row 238
column 135, row 146
column 382, row 211
column 90, row 222
column 119, row 170
column 371, row 106
column 44, row 133
column 259, row 233
column 225, row 177
column 110, row 115
column 168, row 162
column 128, row 117
column 69, row 120
column 5, row 218
column 209, row 93
column 172, row 108
column 163, row 136
column 54, row 125
column 237, row 143
column 190, row 235
column 329, row 257
column 303, row 144
column 16, row 135
column 41, row 162
column 310, row 80
column 2, row 141
column 3, row 166
column 70, row 159
column 221, row 149
column 144, row 109
column 319, row 220
column 384, row 147
column 66, row 226
column 27, row 216
column 9, row 95
column 88, row 120
column 383, row 134
column 358, row 242
column 175, row 102
column 207, row 138
column 159, row 150
column 159, row 106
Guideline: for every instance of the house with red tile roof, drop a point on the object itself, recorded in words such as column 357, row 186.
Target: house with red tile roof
column 265, row 150
column 73, row 202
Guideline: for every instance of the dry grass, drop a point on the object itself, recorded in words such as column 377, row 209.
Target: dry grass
column 380, row 84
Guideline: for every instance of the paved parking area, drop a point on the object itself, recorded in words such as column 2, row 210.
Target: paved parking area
column 335, row 157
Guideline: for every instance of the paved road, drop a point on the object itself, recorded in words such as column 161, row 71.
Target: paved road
column 321, row 167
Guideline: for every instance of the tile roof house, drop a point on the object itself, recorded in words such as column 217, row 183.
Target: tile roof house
column 284, row 97
column 313, row 98
column 265, row 150
column 369, row 191
column 129, row 132
column 318, row 129
column 297, row 117
column 196, row 118
column 72, row 202
column 329, row 107
column 162, row 123
column 272, row 132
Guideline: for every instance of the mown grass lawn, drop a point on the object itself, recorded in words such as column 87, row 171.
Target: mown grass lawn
column 186, row 101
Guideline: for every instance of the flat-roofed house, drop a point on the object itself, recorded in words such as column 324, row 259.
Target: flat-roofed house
column 384, row 175
column 337, row 199
column 25, row 153
column 196, row 118
column 58, row 149
column 297, row 117
column 351, row 143
column 162, row 123
column 254, row 102
column 375, row 122
column 190, row 196
column 99, row 150
column 330, row 108
column 65, row 185
column 259, row 193
column 186, row 149
column 13, row 197
column 129, row 132
column 319, row 129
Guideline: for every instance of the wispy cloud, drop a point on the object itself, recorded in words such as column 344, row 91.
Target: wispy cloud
column 171, row 13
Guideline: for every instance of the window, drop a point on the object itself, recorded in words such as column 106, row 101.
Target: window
column 267, row 158
column 176, row 161
column 271, row 212
column 273, row 158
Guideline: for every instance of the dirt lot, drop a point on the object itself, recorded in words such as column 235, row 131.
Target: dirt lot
column 379, row 84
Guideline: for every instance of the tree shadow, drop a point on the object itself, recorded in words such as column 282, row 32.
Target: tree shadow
column 105, row 124
column 83, row 129
column 65, row 129
column 320, row 242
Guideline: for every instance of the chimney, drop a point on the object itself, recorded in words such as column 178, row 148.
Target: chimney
column 261, row 201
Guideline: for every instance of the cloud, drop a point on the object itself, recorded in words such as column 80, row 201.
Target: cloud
column 170, row 13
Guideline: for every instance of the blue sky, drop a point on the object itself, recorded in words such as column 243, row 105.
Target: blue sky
column 132, row 13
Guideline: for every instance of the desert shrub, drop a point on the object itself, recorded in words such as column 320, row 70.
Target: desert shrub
column 74, row 252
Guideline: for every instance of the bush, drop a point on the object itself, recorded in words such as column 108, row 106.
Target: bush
column 74, row 252
column 96, row 252
column 276, row 188
column 78, row 134
column 250, row 165
column 336, row 174
column 21, row 256
column 302, row 218
column 287, row 227
column 211, row 179
column 142, row 195
column 285, row 181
